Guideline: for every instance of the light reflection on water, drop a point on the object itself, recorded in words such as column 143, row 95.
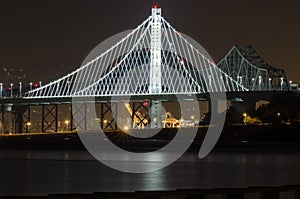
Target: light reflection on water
column 69, row 171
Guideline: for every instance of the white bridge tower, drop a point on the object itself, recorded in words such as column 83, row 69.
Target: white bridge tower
column 155, row 67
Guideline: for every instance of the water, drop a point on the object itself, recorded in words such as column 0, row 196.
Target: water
column 39, row 172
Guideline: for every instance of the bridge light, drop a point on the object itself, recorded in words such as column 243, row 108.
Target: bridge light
column 245, row 118
column 36, row 85
column 155, row 6
column 145, row 104
column 126, row 128
column 291, row 81
column 11, row 90
column 20, row 88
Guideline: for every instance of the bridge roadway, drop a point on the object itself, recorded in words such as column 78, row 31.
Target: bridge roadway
column 231, row 96
column 19, row 108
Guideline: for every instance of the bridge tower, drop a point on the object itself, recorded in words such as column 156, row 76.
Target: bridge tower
column 155, row 67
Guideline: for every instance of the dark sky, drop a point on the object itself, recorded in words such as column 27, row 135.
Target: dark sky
column 50, row 38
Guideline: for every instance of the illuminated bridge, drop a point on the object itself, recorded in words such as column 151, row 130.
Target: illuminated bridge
column 151, row 64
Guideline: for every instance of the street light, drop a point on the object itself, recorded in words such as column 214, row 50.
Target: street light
column 20, row 88
column 28, row 124
column 245, row 118
column 270, row 80
column 67, row 123
column 126, row 128
column 11, row 90
column 30, row 85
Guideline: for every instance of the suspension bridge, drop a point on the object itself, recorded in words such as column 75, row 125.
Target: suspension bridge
column 152, row 64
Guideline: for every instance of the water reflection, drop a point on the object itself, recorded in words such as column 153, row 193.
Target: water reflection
column 43, row 172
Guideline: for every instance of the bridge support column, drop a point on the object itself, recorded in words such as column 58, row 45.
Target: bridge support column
column 79, row 112
column 71, row 118
column 6, row 115
column 3, row 120
column 140, row 114
column 49, row 118
column 156, row 114
column 109, row 114
column 27, row 120
column 19, row 113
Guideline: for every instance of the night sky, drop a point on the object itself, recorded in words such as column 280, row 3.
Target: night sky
column 47, row 39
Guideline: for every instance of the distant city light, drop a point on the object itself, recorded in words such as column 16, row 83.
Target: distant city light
column 126, row 128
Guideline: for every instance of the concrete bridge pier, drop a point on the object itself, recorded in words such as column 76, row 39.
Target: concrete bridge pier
column 19, row 113
column 7, row 113
column 156, row 114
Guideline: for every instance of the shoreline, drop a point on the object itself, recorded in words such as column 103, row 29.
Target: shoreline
column 233, row 139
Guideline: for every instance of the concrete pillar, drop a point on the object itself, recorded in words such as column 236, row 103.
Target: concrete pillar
column 20, row 110
column 156, row 114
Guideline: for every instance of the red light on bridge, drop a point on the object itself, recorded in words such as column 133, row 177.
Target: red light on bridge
column 145, row 104
column 35, row 85
column 155, row 6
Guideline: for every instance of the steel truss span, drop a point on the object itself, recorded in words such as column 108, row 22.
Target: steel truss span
column 154, row 58
column 244, row 65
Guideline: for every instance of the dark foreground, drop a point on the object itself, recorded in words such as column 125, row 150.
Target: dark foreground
column 285, row 192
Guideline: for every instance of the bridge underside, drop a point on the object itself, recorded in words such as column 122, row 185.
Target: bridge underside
column 50, row 119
